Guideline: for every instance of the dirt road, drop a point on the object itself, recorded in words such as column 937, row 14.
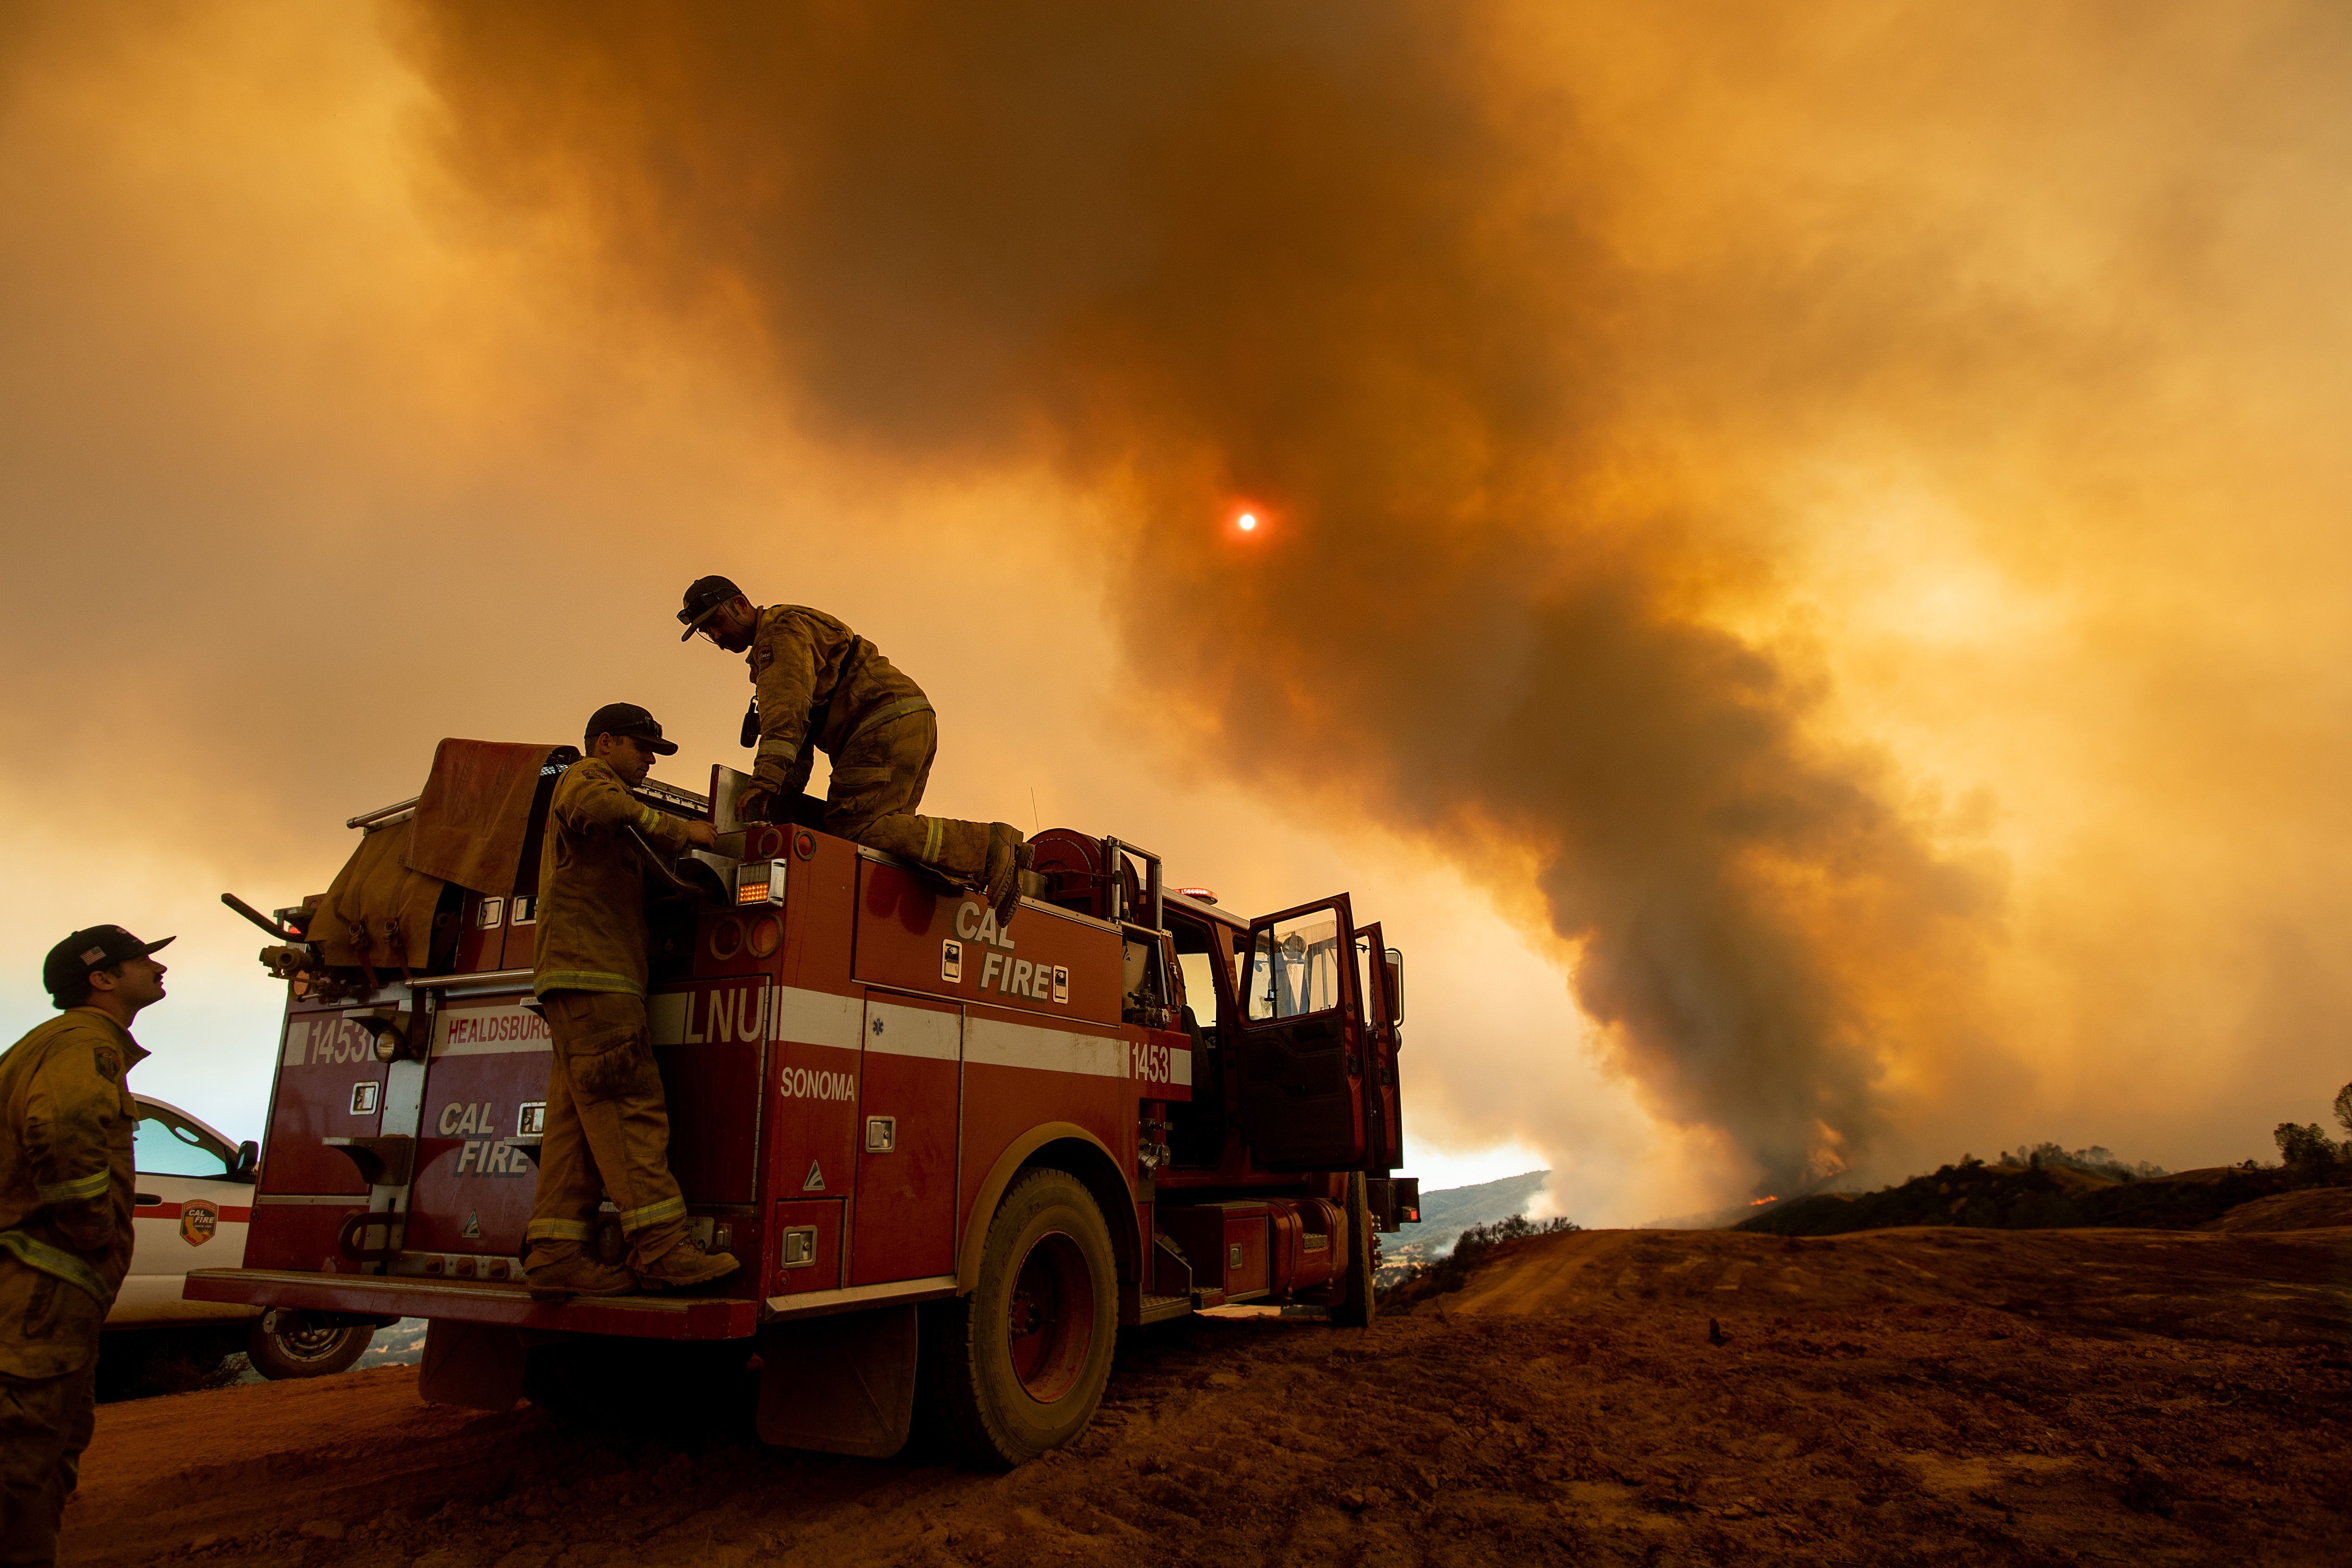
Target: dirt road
column 1919, row 1396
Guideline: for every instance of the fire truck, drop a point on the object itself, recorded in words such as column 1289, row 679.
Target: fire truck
column 955, row 1158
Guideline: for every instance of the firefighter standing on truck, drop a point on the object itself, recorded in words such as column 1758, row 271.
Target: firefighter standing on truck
column 820, row 685
column 607, row 1130
column 65, row 1123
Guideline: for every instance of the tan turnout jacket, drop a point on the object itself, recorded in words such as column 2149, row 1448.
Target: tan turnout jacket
column 592, row 883
column 819, row 684
column 66, row 1192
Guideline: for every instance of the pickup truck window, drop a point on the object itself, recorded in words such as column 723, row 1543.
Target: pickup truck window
column 163, row 1148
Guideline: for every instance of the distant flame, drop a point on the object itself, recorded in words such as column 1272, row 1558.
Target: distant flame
column 1759, row 1203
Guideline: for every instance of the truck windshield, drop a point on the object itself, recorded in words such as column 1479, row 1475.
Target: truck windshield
column 1294, row 967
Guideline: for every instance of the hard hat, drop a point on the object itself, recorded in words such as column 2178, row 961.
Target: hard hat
column 704, row 596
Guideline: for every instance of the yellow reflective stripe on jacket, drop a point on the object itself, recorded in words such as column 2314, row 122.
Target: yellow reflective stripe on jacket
column 934, row 831
column 653, row 1213
column 40, row 1255
column 81, row 1187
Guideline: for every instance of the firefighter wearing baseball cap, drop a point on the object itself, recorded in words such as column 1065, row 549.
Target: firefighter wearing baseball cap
column 821, row 685
column 65, row 1195
column 607, row 1130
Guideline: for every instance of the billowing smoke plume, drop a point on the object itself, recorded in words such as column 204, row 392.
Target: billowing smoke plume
column 1369, row 274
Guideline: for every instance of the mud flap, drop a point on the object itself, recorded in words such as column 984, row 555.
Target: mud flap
column 841, row 1384
column 478, row 1365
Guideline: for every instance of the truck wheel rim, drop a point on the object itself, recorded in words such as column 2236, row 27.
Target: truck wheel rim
column 1050, row 1318
column 303, row 1339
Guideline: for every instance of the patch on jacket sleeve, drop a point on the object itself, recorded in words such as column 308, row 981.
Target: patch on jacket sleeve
column 762, row 657
column 109, row 1062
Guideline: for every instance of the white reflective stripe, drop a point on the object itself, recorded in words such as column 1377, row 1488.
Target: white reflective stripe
column 815, row 1018
column 297, row 1042
column 488, row 1031
column 892, row 1031
column 1179, row 1064
column 999, row 1044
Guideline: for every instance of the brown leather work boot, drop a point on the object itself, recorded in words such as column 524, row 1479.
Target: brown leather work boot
column 1008, row 856
column 578, row 1275
column 683, row 1267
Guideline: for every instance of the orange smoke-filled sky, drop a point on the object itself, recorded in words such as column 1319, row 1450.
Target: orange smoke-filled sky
column 1801, row 553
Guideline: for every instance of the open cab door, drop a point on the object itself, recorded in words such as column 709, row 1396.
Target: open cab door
column 1380, row 976
column 1302, row 1041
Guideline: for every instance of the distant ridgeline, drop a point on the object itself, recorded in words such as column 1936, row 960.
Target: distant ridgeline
column 2094, row 1158
column 2043, row 1188
column 1444, row 1215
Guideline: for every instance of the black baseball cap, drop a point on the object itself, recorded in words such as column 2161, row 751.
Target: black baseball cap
column 703, row 597
column 628, row 719
column 86, row 951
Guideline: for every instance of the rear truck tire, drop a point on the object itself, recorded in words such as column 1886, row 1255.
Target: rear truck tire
column 1016, row 1368
column 285, row 1344
column 1354, row 1308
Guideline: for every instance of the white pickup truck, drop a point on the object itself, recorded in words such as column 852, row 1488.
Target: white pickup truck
column 195, row 1203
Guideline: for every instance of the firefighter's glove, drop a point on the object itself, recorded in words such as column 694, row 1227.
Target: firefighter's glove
column 754, row 803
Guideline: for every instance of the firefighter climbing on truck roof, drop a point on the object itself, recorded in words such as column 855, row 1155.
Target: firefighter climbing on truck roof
column 820, row 685
column 65, row 1121
column 607, row 1127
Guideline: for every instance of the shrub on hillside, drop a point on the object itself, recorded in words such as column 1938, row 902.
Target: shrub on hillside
column 2096, row 1159
column 2309, row 1150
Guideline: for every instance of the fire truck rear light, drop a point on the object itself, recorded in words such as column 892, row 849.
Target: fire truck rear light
column 758, row 882
column 463, row 1268
column 766, row 935
column 726, row 939
column 799, row 1247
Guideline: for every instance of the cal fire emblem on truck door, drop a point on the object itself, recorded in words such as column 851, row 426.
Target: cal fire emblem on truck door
column 198, row 1221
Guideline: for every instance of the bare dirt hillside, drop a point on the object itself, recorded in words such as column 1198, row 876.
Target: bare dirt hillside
column 1957, row 1397
column 2309, row 1209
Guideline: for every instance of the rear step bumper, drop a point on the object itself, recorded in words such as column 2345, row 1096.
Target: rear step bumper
column 638, row 1316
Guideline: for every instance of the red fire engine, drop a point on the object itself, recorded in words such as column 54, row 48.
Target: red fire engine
column 954, row 1159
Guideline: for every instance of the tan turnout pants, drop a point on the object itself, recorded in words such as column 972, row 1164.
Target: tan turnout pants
column 607, row 1133
column 45, row 1423
column 877, row 783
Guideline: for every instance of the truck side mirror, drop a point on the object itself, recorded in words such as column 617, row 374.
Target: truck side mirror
column 248, row 1154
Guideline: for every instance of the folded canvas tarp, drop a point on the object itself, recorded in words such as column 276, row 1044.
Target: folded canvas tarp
column 469, row 830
